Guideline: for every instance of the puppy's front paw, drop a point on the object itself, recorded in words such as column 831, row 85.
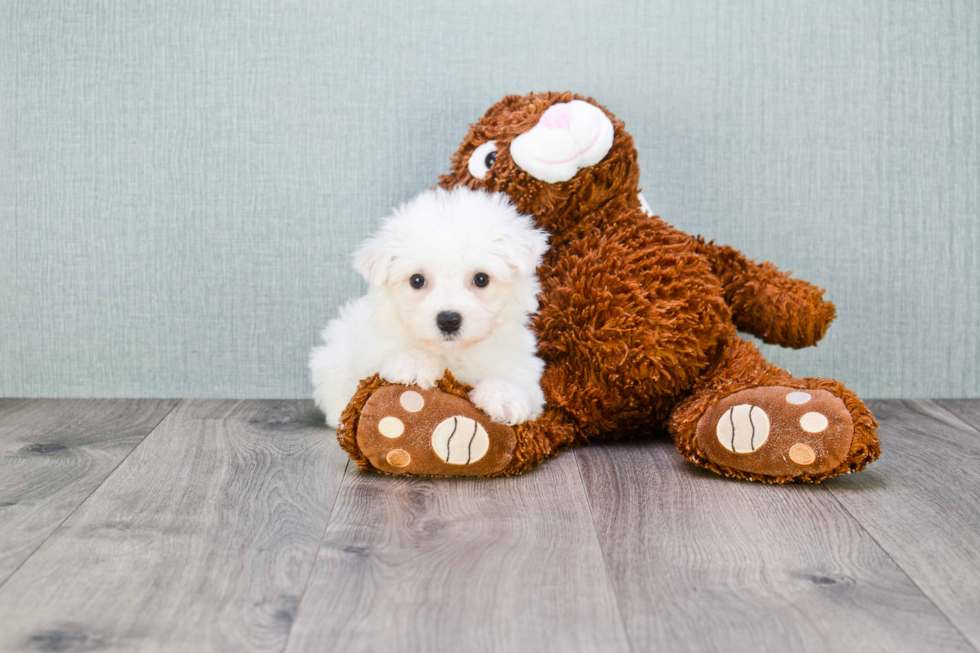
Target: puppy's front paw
column 412, row 368
column 505, row 402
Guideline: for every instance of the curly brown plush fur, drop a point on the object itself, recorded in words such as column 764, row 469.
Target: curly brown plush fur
column 637, row 320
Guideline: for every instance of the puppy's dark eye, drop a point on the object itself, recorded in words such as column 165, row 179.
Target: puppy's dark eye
column 491, row 157
column 481, row 280
column 417, row 281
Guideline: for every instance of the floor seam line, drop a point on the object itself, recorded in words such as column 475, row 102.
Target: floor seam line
column 89, row 495
column 602, row 553
column 975, row 429
column 316, row 555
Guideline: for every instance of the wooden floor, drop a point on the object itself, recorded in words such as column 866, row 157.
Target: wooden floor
column 240, row 526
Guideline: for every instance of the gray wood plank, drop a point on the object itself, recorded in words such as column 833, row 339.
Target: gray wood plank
column 705, row 563
column 921, row 501
column 53, row 454
column 202, row 540
column 506, row 564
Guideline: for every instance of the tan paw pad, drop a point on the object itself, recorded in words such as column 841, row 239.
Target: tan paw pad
column 399, row 457
column 814, row 423
column 798, row 398
column 391, row 427
column 411, row 401
column 460, row 440
column 743, row 428
column 802, row 454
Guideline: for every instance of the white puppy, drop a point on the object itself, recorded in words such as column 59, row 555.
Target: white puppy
column 451, row 285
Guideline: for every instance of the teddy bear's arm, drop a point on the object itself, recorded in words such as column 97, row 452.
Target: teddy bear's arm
column 767, row 302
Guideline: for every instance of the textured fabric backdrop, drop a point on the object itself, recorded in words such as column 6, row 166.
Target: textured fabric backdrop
column 181, row 182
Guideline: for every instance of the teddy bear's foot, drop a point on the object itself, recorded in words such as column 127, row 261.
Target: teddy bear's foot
column 777, row 433
column 408, row 430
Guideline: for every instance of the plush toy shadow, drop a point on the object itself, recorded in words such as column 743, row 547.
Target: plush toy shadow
column 637, row 327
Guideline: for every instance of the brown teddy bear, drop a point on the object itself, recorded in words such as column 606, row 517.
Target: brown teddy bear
column 637, row 327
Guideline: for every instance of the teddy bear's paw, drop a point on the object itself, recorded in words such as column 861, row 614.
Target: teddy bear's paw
column 777, row 432
column 411, row 430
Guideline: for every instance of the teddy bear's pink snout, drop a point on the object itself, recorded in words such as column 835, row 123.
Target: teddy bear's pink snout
column 558, row 116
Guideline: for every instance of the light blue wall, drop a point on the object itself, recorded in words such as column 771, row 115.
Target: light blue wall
column 181, row 181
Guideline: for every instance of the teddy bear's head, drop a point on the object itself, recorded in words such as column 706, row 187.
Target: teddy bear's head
column 559, row 156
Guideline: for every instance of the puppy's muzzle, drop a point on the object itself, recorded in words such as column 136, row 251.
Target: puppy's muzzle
column 449, row 322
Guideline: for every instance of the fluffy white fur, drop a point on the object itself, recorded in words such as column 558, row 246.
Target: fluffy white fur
column 448, row 237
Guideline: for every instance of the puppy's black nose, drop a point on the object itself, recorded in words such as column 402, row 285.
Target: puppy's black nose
column 449, row 321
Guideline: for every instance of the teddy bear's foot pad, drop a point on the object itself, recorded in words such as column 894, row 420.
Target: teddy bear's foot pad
column 777, row 431
column 408, row 430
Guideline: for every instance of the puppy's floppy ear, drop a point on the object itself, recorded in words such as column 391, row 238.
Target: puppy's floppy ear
column 373, row 259
column 524, row 245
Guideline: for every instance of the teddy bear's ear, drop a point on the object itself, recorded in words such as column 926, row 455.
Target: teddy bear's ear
column 373, row 259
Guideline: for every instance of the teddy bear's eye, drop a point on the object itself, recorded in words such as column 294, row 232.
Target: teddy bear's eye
column 482, row 159
column 481, row 280
column 417, row 281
